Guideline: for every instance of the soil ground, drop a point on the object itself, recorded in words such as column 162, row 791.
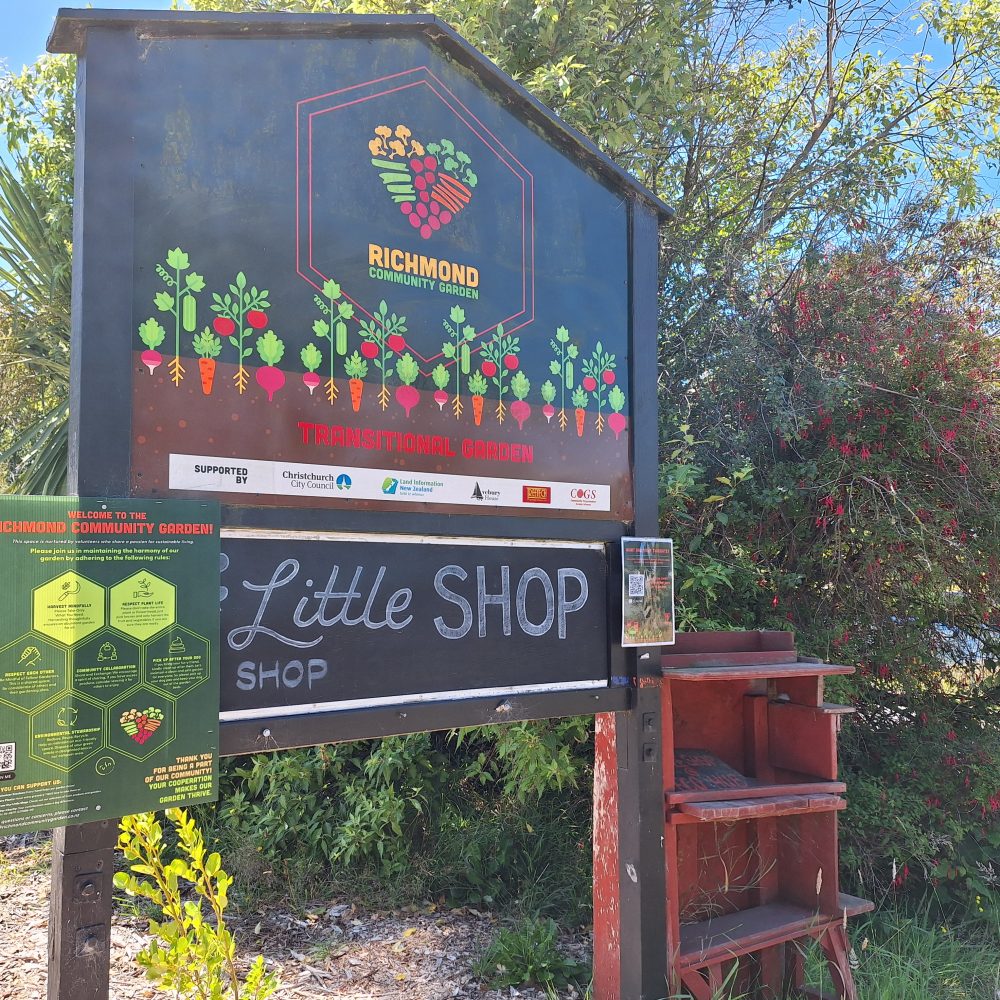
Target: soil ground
column 326, row 948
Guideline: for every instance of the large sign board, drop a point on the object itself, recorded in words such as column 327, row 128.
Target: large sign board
column 361, row 281
column 109, row 659
column 345, row 277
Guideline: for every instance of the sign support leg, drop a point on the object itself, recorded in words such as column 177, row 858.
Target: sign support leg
column 80, row 911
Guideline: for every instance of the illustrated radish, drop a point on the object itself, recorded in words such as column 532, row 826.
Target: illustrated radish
column 151, row 334
column 223, row 326
column 395, row 342
column 407, row 369
column 477, row 389
column 440, row 378
column 510, row 362
column 356, row 368
column 548, row 394
column 616, row 421
column 257, row 319
column 608, row 377
column 489, row 369
column 312, row 358
column 520, row 410
column 269, row 378
column 369, row 349
column 208, row 347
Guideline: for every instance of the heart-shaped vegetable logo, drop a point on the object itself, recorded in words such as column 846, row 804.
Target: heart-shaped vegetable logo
column 141, row 725
column 431, row 183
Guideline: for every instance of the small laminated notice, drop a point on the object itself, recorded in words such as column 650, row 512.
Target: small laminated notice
column 648, row 598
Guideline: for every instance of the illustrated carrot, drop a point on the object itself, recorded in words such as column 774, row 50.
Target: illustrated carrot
column 580, row 401
column 356, row 369
column 477, row 389
column 208, row 347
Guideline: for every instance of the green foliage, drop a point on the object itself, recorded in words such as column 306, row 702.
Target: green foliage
column 270, row 347
column 407, row 369
column 186, row 954
column 528, row 954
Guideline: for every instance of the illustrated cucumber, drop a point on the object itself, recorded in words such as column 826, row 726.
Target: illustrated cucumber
column 569, row 374
column 466, row 356
column 395, row 167
column 189, row 314
column 399, row 198
column 341, row 330
column 400, row 188
column 395, row 178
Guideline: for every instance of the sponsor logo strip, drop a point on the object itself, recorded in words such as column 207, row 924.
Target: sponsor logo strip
column 207, row 473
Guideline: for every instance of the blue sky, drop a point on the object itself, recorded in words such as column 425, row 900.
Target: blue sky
column 25, row 25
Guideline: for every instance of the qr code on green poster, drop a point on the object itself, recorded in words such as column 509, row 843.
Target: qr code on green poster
column 8, row 756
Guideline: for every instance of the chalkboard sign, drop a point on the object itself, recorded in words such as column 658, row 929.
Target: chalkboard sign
column 301, row 616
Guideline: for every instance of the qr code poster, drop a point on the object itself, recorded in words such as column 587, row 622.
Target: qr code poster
column 648, row 598
column 8, row 760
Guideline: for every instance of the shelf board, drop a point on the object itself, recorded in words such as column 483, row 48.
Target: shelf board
column 755, row 671
column 730, row 810
column 720, row 938
column 756, row 791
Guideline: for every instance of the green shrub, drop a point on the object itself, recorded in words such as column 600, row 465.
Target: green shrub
column 528, row 954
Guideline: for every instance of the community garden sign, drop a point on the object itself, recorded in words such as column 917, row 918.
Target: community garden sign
column 344, row 276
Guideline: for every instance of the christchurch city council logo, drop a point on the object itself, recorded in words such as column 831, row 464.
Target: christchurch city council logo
column 343, row 481
column 430, row 182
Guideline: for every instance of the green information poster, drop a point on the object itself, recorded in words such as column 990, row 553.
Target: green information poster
column 109, row 656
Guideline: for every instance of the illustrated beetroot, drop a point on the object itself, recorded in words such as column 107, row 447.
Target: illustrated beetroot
column 151, row 334
column 519, row 409
column 617, row 423
column 269, row 378
column 407, row 370
column 257, row 319
column 616, row 420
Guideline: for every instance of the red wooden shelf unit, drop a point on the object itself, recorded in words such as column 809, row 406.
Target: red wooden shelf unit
column 751, row 796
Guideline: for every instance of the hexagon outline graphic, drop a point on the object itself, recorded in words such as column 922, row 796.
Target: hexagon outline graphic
column 135, row 579
column 145, row 656
column 114, row 720
column 84, row 579
column 58, row 649
column 379, row 87
column 107, row 634
column 76, row 696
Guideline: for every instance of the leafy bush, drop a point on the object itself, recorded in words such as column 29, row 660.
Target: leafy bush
column 528, row 954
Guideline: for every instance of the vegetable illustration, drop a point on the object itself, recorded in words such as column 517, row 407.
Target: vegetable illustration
column 562, row 367
column 223, row 326
column 141, row 725
column 333, row 329
column 179, row 301
column 407, row 369
column 580, row 401
column 377, row 332
column 237, row 306
column 456, row 349
column 431, row 186
column 356, row 368
column 208, row 347
column 520, row 410
column 548, row 394
column 312, row 358
column 616, row 420
column 440, row 378
column 596, row 370
column 270, row 379
column 151, row 334
column 495, row 351
column 477, row 389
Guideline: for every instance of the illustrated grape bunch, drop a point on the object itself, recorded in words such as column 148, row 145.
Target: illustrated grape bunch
column 141, row 725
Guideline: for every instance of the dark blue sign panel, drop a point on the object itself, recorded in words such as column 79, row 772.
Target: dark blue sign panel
column 361, row 281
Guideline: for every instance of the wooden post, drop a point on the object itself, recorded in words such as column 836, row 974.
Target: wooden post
column 80, row 911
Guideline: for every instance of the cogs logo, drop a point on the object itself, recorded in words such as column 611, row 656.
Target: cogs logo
column 583, row 496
